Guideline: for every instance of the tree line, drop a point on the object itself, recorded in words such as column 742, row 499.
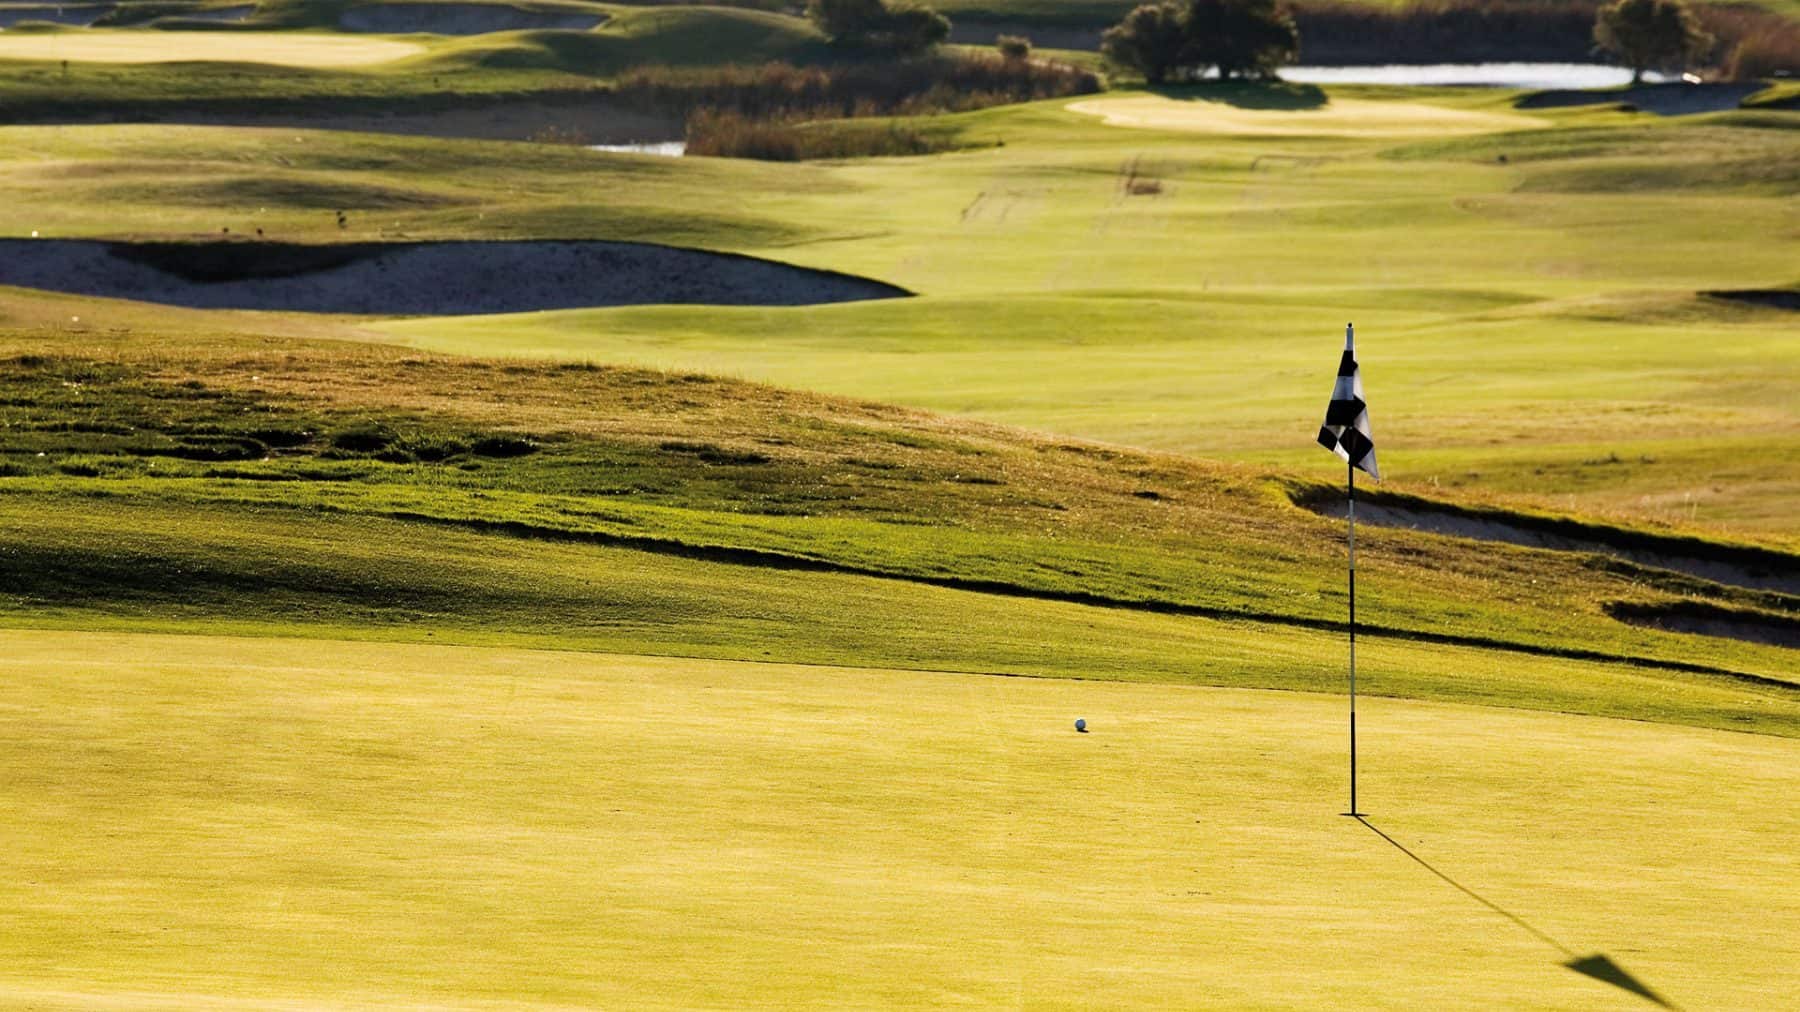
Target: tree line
column 1185, row 40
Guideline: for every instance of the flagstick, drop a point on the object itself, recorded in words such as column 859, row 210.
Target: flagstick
column 1352, row 504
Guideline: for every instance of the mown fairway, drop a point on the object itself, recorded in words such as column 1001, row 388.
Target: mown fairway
column 215, row 822
column 1535, row 324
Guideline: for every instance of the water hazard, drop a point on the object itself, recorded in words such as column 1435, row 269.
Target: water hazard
column 1486, row 75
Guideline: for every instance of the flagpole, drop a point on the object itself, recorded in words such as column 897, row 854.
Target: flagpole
column 1351, row 499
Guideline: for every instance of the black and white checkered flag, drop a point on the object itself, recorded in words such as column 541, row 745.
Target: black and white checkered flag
column 1346, row 428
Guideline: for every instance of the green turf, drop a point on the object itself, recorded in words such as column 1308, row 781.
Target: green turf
column 222, row 823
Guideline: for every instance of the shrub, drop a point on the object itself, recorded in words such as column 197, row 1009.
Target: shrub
column 1013, row 48
column 1650, row 35
column 503, row 446
column 363, row 437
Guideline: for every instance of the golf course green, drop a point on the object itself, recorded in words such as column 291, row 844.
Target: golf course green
column 677, row 655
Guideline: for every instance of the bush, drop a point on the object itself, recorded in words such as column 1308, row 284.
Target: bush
column 503, row 446
column 1013, row 48
column 1650, row 35
column 363, row 437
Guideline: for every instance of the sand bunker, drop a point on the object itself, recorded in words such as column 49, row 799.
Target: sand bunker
column 459, row 19
column 278, row 48
column 419, row 279
column 1342, row 117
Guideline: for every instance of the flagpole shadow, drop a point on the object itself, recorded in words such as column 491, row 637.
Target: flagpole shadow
column 1598, row 966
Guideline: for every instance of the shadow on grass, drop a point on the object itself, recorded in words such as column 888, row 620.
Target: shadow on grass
column 1598, row 966
column 1279, row 95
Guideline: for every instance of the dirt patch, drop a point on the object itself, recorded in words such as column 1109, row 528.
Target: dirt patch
column 1772, row 298
column 1752, row 568
column 460, row 19
column 1661, row 99
column 1709, row 620
column 419, row 279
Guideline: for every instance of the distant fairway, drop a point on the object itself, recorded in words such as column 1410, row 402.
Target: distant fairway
column 202, row 822
column 1341, row 117
column 279, row 49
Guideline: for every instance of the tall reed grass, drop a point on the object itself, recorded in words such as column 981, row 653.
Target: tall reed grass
column 730, row 134
column 928, row 84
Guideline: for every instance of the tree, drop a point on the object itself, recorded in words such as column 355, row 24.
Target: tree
column 871, row 24
column 1650, row 35
column 1248, row 38
column 1240, row 38
column 1152, row 40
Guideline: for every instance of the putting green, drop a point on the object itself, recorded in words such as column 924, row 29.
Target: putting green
column 1342, row 117
column 208, row 821
column 282, row 49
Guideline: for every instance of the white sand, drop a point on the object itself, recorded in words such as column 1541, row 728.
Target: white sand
column 1344, row 117
column 278, row 48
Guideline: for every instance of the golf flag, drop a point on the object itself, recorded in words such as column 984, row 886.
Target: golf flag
column 1346, row 428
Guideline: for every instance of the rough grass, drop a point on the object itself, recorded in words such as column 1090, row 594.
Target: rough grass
column 140, row 485
column 217, row 822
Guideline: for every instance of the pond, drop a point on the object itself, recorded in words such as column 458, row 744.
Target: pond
column 1488, row 75
column 671, row 149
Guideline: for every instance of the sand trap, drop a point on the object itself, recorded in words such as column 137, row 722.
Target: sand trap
column 459, row 19
column 280, row 49
column 1342, row 117
column 419, row 279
